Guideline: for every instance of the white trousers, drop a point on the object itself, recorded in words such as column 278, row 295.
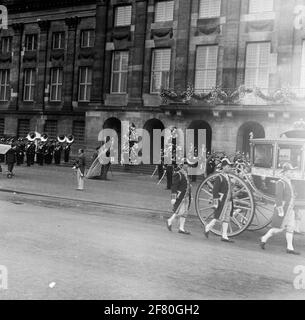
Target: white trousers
column 80, row 180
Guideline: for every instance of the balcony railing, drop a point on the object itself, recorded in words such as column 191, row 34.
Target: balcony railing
column 235, row 96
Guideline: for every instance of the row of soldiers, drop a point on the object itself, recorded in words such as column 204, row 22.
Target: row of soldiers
column 44, row 151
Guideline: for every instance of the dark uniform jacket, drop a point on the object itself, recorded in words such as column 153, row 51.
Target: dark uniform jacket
column 81, row 163
column 283, row 197
column 11, row 156
column 180, row 189
column 220, row 192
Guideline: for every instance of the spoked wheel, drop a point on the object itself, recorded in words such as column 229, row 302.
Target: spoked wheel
column 243, row 202
column 264, row 207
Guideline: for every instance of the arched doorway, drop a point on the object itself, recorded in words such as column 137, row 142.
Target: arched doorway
column 243, row 135
column 149, row 126
column 114, row 124
column 200, row 124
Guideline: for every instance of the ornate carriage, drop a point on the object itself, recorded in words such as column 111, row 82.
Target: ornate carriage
column 254, row 185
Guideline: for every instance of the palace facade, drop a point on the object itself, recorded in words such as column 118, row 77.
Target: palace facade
column 77, row 67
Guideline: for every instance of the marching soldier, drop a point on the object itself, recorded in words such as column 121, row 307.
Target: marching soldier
column 284, row 214
column 57, row 153
column 181, row 198
column 30, row 153
column 222, row 201
column 67, row 150
column 40, row 153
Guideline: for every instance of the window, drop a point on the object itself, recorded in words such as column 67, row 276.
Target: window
column 50, row 128
column 206, row 67
column 23, row 128
column 257, row 65
column 58, row 40
column 87, row 38
column 6, row 44
column 290, row 153
column 209, row 8
column 56, row 84
column 31, row 42
column 256, row 6
column 263, row 155
column 2, row 127
column 164, row 11
column 29, row 84
column 119, row 72
column 85, row 76
column 78, row 131
column 4, row 85
column 161, row 60
column 122, row 16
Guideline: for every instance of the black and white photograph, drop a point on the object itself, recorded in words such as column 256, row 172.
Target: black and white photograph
column 152, row 150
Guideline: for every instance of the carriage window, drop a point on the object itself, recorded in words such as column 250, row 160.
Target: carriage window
column 263, row 155
column 289, row 153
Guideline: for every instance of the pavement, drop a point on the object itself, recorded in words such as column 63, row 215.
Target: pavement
column 53, row 250
column 139, row 191
column 110, row 242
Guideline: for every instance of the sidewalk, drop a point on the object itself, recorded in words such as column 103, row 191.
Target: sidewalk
column 121, row 189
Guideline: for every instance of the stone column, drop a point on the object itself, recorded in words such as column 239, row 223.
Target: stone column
column 136, row 56
column 182, row 44
column 42, row 63
column 99, row 56
column 16, row 76
column 69, row 69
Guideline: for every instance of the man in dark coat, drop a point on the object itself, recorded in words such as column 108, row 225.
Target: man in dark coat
column 284, row 217
column 67, row 150
column 222, row 201
column 30, row 153
column 11, row 159
column 180, row 198
column 57, row 153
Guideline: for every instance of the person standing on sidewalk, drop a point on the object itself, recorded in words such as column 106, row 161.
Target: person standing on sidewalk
column 11, row 159
column 222, row 201
column 180, row 198
column 283, row 218
column 80, row 166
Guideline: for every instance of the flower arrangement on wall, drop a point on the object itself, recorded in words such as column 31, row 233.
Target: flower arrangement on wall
column 220, row 95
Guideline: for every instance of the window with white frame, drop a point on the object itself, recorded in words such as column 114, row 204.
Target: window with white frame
column 160, row 71
column 87, row 38
column 122, row 16
column 4, row 85
column 164, row 11
column 85, row 83
column 31, row 42
column 58, row 40
column 29, row 84
column 256, row 6
column 257, row 65
column 56, row 84
column 206, row 67
column 119, row 71
column 6, row 44
column 209, row 8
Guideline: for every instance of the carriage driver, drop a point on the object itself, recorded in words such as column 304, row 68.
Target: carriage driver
column 222, row 201
column 284, row 217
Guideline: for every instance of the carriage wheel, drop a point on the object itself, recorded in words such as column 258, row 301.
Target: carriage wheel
column 243, row 202
column 264, row 207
